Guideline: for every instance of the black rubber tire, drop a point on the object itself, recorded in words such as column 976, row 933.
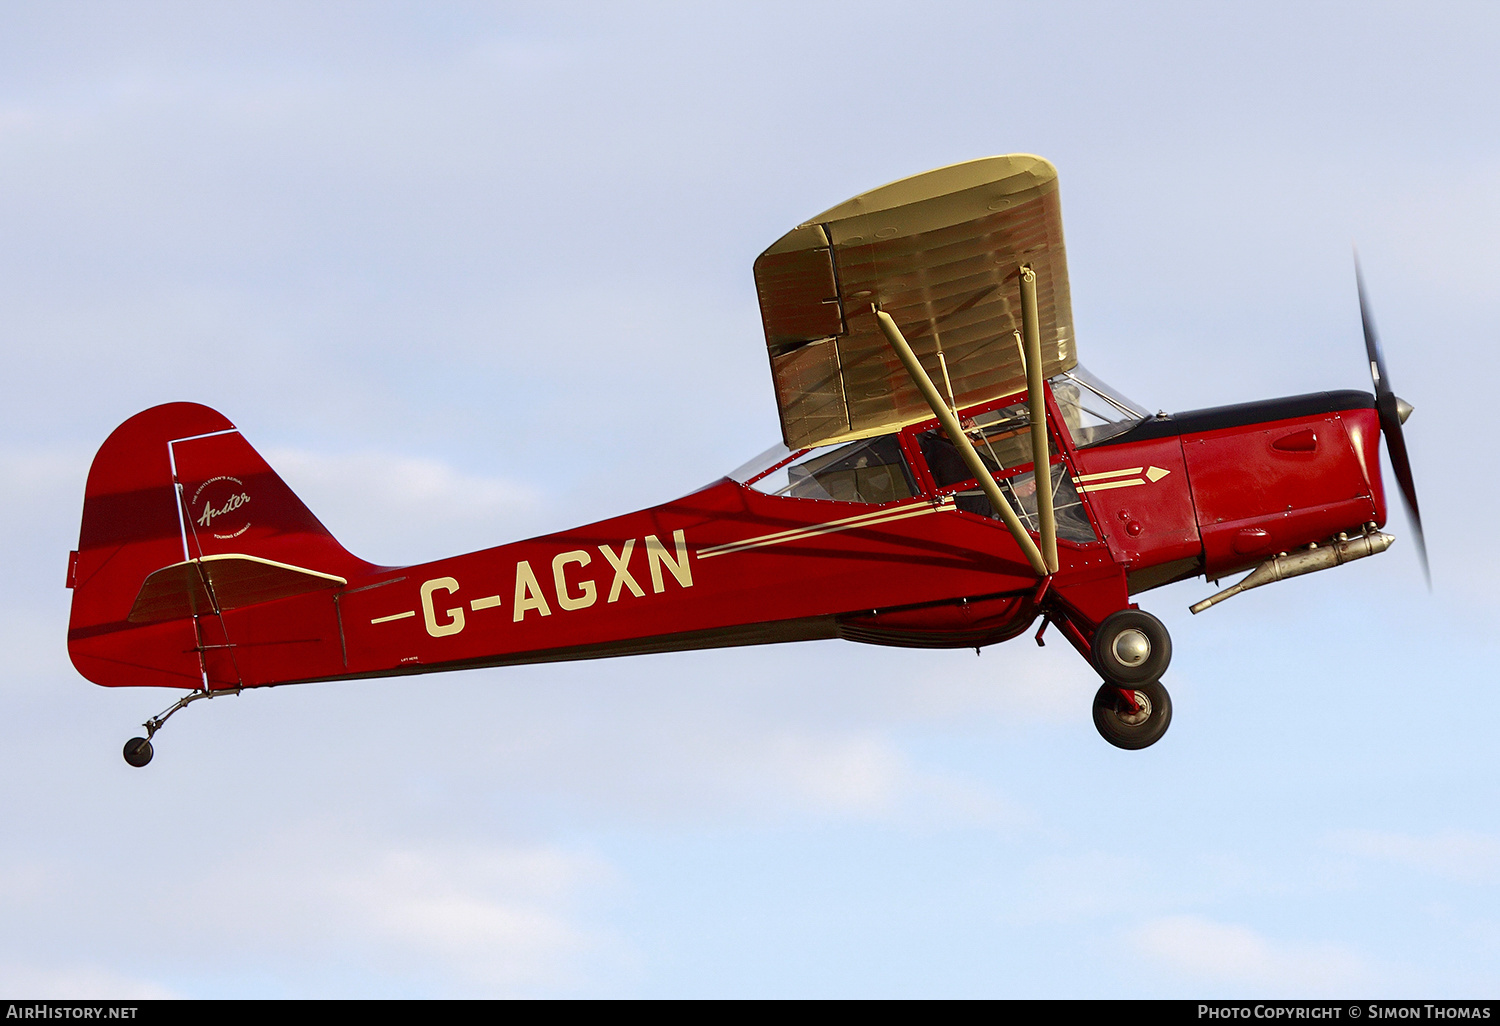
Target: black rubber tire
column 1107, row 659
column 138, row 751
column 1120, row 727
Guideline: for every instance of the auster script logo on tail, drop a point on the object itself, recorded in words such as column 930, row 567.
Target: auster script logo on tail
column 222, row 507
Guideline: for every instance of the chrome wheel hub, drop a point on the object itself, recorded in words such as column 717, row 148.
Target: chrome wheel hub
column 1142, row 711
column 1132, row 648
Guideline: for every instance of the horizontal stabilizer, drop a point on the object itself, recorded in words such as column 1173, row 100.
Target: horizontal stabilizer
column 216, row 583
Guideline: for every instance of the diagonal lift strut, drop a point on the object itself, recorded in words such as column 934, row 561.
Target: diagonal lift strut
column 961, row 442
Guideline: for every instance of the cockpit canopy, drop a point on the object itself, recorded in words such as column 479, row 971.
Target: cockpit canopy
column 873, row 470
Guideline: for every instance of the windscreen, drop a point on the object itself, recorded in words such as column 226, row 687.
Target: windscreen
column 1093, row 411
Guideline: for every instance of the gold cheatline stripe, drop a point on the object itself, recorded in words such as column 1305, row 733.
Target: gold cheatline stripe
column 1108, row 473
column 1106, row 485
column 832, row 527
column 854, row 520
column 756, row 543
column 397, row 616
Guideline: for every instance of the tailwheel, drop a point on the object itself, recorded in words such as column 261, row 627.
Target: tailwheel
column 1133, row 716
column 138, row 751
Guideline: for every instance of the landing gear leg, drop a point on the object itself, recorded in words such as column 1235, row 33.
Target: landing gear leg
column 1131, row 649
column 1132, row 716
column 138, row 750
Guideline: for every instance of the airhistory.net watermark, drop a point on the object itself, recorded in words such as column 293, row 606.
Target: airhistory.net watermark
column 46, row 1010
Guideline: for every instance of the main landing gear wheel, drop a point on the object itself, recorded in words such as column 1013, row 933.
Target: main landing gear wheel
column 1132, row 647
column 138, row 751
column 1132, row 717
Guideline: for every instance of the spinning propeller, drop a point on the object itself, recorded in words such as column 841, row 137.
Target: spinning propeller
column 1393, row 412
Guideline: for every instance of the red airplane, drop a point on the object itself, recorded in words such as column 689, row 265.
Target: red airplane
column 921, row 346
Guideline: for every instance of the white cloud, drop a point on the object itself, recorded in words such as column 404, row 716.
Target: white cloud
column 855, row 774
column 497, row 917
column 682, row 766
column 694, row 738
column 482, row 919
column 1225, row 954
column 39, row 474
column 866, row 776
column 400, row 509
column 644, row 741
column 1456, row 854
column 86, row 983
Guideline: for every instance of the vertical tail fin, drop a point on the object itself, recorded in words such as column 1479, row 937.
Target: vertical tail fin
column 188, row 546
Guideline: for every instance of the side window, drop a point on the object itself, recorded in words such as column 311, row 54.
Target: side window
column 1002, row 438
column 1020, row 491
column 870, row 470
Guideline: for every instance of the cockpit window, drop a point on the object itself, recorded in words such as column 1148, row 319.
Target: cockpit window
column 1001, row 437
column 873, row 469
column 869, row 470
column 1020, row 491
column 1093, row 410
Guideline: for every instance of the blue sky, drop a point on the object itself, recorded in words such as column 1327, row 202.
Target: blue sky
column 468, row 272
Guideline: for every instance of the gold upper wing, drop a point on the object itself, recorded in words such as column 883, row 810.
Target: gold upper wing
column 941, row 253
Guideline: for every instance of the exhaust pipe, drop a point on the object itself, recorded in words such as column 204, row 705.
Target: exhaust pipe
column 1304, row 561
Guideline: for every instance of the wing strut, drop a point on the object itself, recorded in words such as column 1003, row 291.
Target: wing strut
column 961, row 441
column 1041, row 458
